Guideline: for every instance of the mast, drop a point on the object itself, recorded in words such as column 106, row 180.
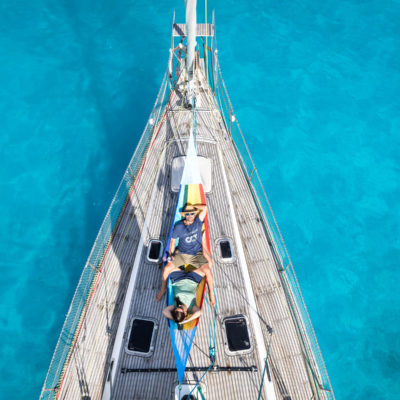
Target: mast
column 191, row 45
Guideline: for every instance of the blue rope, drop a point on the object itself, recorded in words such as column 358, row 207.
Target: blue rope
column 213, row 353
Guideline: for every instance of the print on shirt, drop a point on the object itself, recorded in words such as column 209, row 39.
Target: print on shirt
column 189, row 236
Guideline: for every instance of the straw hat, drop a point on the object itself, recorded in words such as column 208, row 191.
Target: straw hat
column 188, row 208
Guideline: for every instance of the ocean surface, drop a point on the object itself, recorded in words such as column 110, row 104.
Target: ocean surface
column 315, row 86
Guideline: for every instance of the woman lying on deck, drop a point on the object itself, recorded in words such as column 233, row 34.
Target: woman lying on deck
column 184, row 286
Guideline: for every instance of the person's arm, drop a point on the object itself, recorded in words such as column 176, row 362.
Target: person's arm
column 210, row 283
column 206, row 253
column 196, row 314
column 203, row 210
column 167, row 312
column 172, row 248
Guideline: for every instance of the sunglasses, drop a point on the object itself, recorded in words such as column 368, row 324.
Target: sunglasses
column 191, row 213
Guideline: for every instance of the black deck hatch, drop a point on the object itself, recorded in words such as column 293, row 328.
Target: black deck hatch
column 141, row 335
column 237, row 334
column 155, row 250
column 226, row 250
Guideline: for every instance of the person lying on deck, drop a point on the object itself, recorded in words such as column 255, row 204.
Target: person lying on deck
column 184, row 286
column 192, row 247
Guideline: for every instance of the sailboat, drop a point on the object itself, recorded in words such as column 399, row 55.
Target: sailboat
column 258, row 341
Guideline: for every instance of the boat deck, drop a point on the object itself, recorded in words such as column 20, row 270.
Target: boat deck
column 250, row 284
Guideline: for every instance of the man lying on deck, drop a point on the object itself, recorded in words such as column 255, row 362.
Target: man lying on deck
column 184, row 286
column 191, row 248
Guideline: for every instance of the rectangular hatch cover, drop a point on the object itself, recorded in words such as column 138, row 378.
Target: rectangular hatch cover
column 141, row 337
column 155, row 250
column 226, row 251
column 237, row 334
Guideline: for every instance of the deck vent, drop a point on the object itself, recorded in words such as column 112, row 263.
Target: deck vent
column 237, row 335
column 155, row 250
column 225, row 250
column 142, row 334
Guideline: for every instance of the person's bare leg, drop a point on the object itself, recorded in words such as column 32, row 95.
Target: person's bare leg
column 164, row 278
column 205, row 270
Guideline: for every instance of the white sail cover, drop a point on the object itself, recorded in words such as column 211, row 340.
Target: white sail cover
column 191, row 172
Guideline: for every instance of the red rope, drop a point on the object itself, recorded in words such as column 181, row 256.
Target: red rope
column 109, row 244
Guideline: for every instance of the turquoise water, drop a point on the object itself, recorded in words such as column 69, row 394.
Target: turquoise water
column 316, row 90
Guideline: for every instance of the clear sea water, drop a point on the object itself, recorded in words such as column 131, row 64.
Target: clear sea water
column 315, row 86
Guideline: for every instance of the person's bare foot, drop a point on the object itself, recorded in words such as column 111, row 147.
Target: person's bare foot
column 160, row 294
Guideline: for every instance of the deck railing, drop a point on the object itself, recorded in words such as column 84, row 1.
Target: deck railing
column 311, row 350
column 77, row 309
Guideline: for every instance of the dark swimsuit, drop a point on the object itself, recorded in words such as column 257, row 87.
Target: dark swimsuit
column 177, row 276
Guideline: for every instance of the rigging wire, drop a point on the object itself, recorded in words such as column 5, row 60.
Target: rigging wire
column 132, row 217
column 92, row 289
column 245, row 207
column 286, row 289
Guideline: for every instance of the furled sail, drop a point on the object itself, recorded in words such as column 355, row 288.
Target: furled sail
column 190, row 191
